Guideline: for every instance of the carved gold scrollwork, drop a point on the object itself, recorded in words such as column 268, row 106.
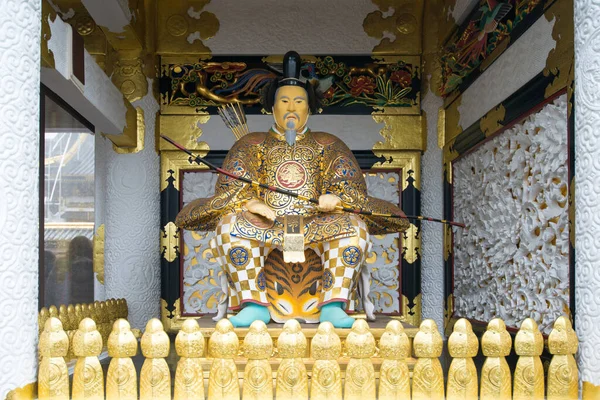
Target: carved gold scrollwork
column 121, row 379
column 181, row 28
column 326, row 347
column 128, row 76
column 48, row 15
column 405, row 132
column 394, row 378
column 292, row 380
column 529, row 373
column 189, row 378
column 490, row 123
column 404, row 24
column 169, row 241
column 496, row 344
column 88, row 378
column 560, row 61
column 155, row 377
column 258, row 375
column 223, row 345
column 99, row 254
column 462, row 376
column 360, row 375
column 563, row 377
column 132, row 140
column 53, row 375
column 428, row 376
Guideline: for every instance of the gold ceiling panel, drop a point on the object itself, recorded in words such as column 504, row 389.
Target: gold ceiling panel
column 182, row 26
column 404, row 25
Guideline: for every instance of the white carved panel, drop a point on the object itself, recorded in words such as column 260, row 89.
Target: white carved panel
column 522, row 61
column 587, row 195
column 511, row 192
column 201, row 290
column 132, row 253
column 385, row 257
column 432, row 198
column 20, row 24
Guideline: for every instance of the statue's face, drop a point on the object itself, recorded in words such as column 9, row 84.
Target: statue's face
column 291, row 108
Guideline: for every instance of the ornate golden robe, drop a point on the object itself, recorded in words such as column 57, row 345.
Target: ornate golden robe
column 319, row 163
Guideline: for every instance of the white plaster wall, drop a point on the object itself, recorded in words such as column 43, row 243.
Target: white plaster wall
column 20, row 25
column 587, row 193
column 359, row 132
column 274, row 27
column 461, row 10
column 432, row 198
column 522, row 61
column 132, row 253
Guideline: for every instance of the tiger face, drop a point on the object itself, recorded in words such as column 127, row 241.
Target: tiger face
column 293, row 289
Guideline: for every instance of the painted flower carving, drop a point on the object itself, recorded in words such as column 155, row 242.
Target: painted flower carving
column 329, row 93
column 402, row 78
column 362, row 84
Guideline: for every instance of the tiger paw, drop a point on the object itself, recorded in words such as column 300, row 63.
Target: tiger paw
column 334, row 313
column 250, row 313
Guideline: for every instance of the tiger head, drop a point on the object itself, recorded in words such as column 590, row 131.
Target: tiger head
column 293, row 288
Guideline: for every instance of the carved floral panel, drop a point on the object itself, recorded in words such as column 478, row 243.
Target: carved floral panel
column 201, row 292
column 512, row 193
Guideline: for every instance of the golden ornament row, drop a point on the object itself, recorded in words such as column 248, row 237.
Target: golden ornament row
column 222, row 367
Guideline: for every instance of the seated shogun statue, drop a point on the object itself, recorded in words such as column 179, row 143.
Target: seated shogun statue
column 250, row 222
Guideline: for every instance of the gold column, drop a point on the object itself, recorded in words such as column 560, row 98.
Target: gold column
column 360, row 374
column 155, row 377
column 223, row 345
column 258, row 375
column 292, row 380
column 495, row 374
column 53, row 376
column 462, row 376
column 563, row 377
column 325, row 349
column 529, row 373
column 394, row 377
column 88, row 379
column 428, row 377
column 121, row 379
column 189, row 379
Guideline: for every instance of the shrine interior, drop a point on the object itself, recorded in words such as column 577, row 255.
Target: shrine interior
column 460, row 113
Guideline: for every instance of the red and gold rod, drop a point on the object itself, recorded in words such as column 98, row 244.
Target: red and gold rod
column 254, row 183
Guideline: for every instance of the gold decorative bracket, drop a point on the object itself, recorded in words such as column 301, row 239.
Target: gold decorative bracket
column 132, row 138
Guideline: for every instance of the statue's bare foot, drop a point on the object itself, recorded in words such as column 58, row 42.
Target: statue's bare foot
column 250, row 313
column 334, row 313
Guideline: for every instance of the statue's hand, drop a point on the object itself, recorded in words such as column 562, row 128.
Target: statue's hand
column 328, row 202
column 260, row 208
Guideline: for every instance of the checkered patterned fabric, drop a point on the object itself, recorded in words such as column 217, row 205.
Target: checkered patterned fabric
column 342, row 260
column 243, row 261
